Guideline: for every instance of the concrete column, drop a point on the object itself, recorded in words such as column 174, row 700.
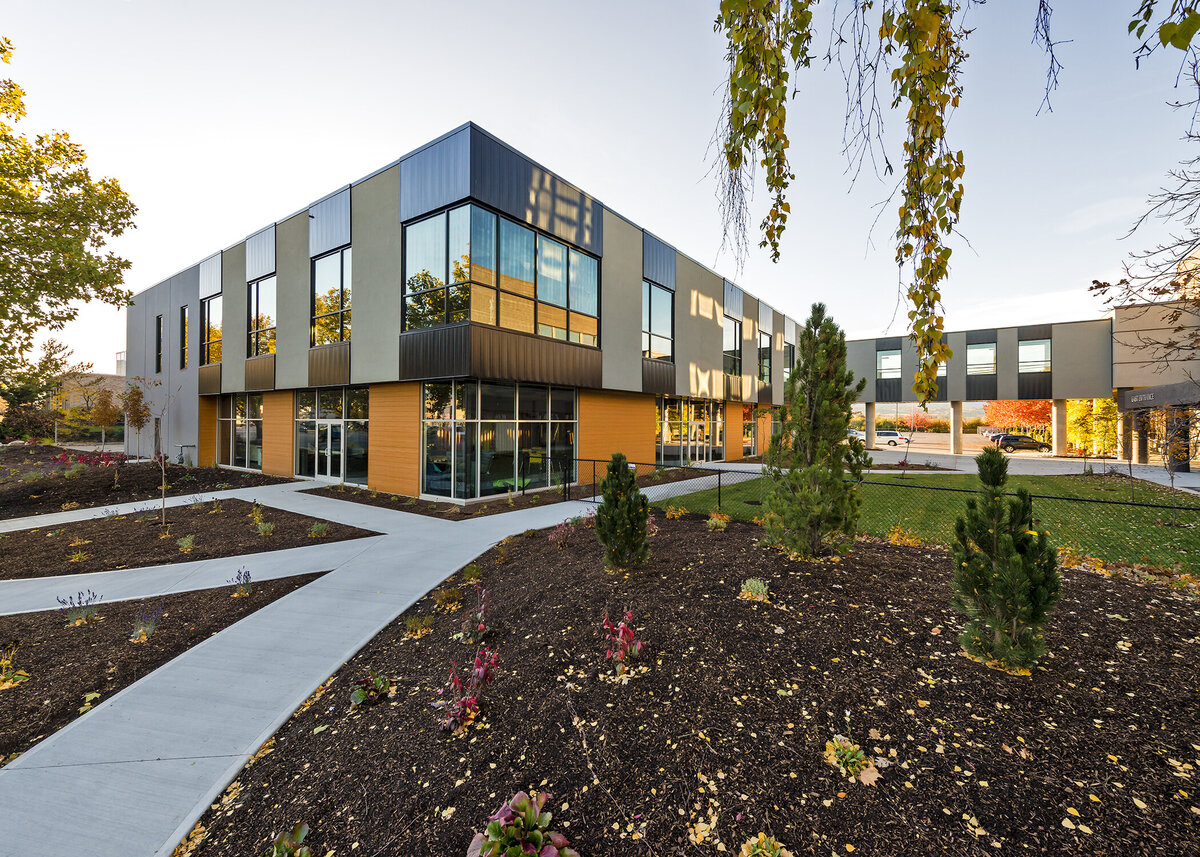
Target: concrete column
column 956, row 428
column 1125, row 435
column 869, row 428
column 1141, row 439
column 1058, row 427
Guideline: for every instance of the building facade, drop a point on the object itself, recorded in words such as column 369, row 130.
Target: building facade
column 458, row 324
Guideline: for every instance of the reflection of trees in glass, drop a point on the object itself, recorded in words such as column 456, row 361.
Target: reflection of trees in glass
column 327, row 320
column 262, row 336
column 426, row 309
column 461, row 268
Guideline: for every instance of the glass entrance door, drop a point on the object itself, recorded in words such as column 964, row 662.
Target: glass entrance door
column 329, row 450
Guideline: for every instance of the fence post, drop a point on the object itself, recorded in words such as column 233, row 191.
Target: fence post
column 718, row 490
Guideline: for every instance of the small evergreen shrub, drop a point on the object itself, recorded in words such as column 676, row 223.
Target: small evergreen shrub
column 266, row 528
column 622, row 517
column 754, row 589
column 187, row 544
column 470, row 573
column 318, row 530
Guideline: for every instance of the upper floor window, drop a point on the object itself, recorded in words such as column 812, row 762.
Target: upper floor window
column 981, row 359
column 183, row 337
column 764, row 357
column 158, row 343
column 658, row 322
column 732, row 346
column 887, row 364
column 789, row 359
column 470, row 264
column 260, row 301
column 1033, row 355
column 210, row 330
column 330, row 298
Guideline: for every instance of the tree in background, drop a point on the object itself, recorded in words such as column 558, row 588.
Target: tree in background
column 105, row 412
column 1023, row 414
column 1104, row 426
column 918, row 46
column 137, row 412
column 1005, row 573
column 25, row 380
column 54, row 223
column 810, row 506
column 1079, row 424
column 622, row 517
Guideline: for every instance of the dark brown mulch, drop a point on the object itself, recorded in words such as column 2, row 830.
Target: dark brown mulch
column 65, row 663
column 221, row 528
column 733, row 716
column 101, row 486
column 455, row 512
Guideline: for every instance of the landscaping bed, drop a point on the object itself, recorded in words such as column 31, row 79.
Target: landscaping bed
column 219, row 528
column 31, row 482
column 65, row 664
column 724, row 735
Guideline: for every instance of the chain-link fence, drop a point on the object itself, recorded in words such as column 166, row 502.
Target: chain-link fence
column 659, row 483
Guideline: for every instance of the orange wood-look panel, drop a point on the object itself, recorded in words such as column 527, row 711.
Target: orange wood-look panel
column 764, row 433
column 206, row 442
column 394, row 459
column 733, row 431
column 279, row 433
column 616, row 422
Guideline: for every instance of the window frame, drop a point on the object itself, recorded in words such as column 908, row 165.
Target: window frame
column 974, row 369
column 343, row 310
column 184, row 313
column 253, row 333
column 879, row 369
column 1046, row 365
column 205, row 316
column 158, row 344
column 764, row 358
column 649, row 334
column 737, row 349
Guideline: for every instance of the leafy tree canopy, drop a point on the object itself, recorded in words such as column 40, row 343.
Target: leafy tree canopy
column 54, row 223
column 26, row 380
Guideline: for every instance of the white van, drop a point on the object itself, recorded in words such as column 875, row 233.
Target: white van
column 891, row 438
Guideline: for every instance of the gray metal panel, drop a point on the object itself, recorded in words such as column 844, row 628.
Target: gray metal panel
column 260, row 372
column 510, row 182
column 234, row 319
column 658, row 377
column 209, row 379
column 789, row 330
column 733, row 300
column 1082, row 356
column 436, row 176
column 981, row 337
column 860, row 359
column 329, row 223
column 1035, row 385
column 765, row 395
column 956, row 367
column 260, row 254
column 329, row 365
column 1034, row 331
column 766, row 318
column 621, row 304
column 1160, row 396
column 889, row 343
column 658, row 261
column 981, row 388
column 1006, row 363
column 376, row 278
column 436, row 352
column 293, row 302
column 210, row 276
column 889, row 389
column 699, row 331
column 514, row 356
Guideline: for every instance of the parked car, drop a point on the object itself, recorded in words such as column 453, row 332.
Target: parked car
column 891, row 438
column 855, row 433
column 1013, row 442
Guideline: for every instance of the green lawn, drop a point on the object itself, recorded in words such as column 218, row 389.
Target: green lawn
column 1110, row 532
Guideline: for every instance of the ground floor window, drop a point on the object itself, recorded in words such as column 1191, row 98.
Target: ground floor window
column 689, row 431
column 749, row 432
column 331, row 434
column 240, row 430
column 482, row 438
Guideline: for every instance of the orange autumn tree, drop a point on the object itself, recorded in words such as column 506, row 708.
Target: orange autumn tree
column 1018, row 413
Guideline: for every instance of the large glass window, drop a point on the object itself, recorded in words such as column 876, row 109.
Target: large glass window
column 887, row 364
column 331, row 297
column 260, row 301
column 240, row 430
column 486, row 438
column 552, row 272
column 658, row 322
column 764, row 357
column 585, row 291
column 981, row 359
column 1033, row 355
column 732, row 346
column 210, row 330
column 332, row 433
column 689, row 431
column 183, row 337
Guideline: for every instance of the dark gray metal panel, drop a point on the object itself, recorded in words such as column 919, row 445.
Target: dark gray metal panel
column 260, row 254
column 1163, row 395
column 513, row 356
column 981, row 337
column 733, row 387
column 436, row 176
column 658, row 377
column 888, row 389
column 329, row 365
column 329, row 223
column 1035, row 331
column 260, row 372
column 789, row 330
column 436, row 352
column 889, row 343
column 733, row 301
column 210, row 276
column 942, row 394
column 658, row 261
column 765, row 395
column 209, row 379
column 510, row 182
column 1035, row 385
column 981, row 388
column 766, row 319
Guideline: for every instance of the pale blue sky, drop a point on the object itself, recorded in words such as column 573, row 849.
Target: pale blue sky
column 220, row 117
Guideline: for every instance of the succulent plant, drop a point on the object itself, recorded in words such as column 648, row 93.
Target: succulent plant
column 521, row 827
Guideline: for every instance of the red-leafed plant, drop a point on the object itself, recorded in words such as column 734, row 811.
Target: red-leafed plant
column 461, row 697
column 623, row 644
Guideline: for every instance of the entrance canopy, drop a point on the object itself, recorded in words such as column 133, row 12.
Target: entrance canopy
column 1180, row 395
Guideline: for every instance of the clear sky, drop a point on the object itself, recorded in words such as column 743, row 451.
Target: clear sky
column 220, row 117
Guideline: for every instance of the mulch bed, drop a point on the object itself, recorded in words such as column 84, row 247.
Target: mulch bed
column 51, row 491
column 221, row 528
column 65, row 663
column 910, row 467
column 455, row 512
column 1091, row 754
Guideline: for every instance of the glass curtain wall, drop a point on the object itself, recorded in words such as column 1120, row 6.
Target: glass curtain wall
column 332, row 433
column 483, row 438
column 240, row 430
column 689, row 431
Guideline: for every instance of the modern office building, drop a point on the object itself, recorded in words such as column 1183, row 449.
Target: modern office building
column 458, row 324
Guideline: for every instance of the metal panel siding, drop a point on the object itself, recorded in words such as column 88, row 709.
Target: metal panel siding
column 942, row 394
column 260, row 372
column 981, row 337
column 376, row 278
column 889, row 343
column 765, row 395
column 506, row 180
column 956, row 366
column 513, row 356
column 733, row 300
column 260, row 254
column 658, row 377
column 329, row 365
column 436, row 176
column 234, row 320
column 1035, row 331
column 437, row 352
column 1035, row 385
column 329, row 223
column 294, row 302
column 658, row 261
column 621, row 304
column 1082, row 356
column 209, row 379
column 766, row 318
column 789, row 330
column 210, row 276
column 981, row 388
column 888, row 389
column 1006, row 363
column 860, row 359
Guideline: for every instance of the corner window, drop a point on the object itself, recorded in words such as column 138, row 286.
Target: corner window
column 764, row 357
column 331, row 298
column 887, row 364
column 210, row 330
column 658, row 322
column 158, row 343
column 981, row 359
column 1033, row 355
column 260, row 301
column 183, row 337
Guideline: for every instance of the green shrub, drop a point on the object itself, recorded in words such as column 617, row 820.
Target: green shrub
column 318, row 530
column 622, row 517
column 754, row 589
column 520, row 826
column 265, row 528
column 186, row 544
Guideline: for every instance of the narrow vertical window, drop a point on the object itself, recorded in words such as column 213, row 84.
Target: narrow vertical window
column 260, row 303
column 210, row 330
column 183, row 337
column 330, row 299
column 658, row 322
column 158, row 343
